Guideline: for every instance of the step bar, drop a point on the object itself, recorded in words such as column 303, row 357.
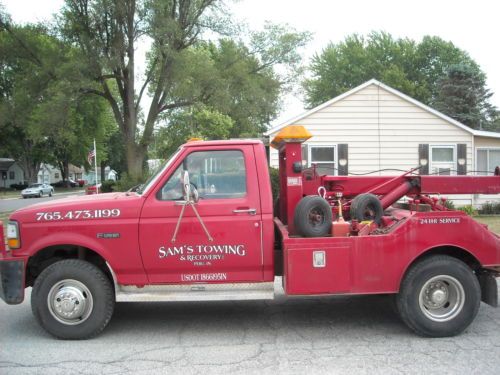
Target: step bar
column 195, row 292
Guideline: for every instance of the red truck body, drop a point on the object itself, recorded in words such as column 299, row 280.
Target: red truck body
column 138, row 241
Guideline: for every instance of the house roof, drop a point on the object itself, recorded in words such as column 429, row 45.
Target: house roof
column 480, row 133
column 5, row 163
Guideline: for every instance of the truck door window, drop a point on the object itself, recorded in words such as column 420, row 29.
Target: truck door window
column 215, row 174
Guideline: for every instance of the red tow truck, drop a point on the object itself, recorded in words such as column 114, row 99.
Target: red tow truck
column 203, row 228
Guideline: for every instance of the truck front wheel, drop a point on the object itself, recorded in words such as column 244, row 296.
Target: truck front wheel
column 439, row 297
column 72, row 299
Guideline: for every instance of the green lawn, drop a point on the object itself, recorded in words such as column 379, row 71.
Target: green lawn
column 493, row 222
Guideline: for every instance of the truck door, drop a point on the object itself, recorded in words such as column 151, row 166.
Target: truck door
column 229, row 208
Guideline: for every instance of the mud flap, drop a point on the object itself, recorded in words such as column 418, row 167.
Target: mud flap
column 489, row 290
column 12, row 281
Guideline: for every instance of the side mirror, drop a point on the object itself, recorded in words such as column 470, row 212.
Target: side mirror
column 190, row 192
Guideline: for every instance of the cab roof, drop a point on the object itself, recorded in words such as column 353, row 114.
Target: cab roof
column 223, row 142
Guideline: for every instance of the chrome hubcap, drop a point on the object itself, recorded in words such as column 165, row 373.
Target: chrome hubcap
column 441, row 298
column 70, row 302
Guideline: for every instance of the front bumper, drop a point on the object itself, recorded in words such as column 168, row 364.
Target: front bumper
column 12, row 280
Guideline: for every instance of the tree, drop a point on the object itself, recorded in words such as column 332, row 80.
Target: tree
column 23, row 80
column 411, row 67
column 108, row 32
column 44, row 116
column 199, row 123
column 462, row 92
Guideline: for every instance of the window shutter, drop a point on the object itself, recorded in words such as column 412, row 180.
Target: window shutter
column 343, row 154
column 462, row 154
column 423, row 154
column 305, row 154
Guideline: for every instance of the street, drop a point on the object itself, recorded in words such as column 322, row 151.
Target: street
column 7, row 205
column 359, row 334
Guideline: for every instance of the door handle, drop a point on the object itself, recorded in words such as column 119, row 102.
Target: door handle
column 250, row 211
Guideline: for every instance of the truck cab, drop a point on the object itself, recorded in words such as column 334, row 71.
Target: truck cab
column 203, row 228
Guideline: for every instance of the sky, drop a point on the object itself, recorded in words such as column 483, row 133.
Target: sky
column 473, row 26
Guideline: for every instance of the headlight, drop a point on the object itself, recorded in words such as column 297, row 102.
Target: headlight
column 13, row 235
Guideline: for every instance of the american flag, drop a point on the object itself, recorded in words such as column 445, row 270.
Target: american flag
column 90, row 156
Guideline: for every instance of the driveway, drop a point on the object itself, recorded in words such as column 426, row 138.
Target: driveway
column 7, row 205
column 344, row 335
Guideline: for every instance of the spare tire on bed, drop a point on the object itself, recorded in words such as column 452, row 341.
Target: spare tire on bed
column 313, row 217
column 366, row 207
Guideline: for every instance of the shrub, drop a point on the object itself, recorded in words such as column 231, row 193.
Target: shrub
column 490, row 208
column 275, row 182
column 108, row 186
column 469, row 210
column 126, row 183
column 449, row 204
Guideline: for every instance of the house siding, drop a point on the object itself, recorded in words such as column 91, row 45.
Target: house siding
column 383, row 130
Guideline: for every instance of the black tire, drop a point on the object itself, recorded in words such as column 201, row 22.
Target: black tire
column 366, row 207
column 313, row 217
column 50, row 193
column 452, row 318
column 40, row 194
column 98, row 299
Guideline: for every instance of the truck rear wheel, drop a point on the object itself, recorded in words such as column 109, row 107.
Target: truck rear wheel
column 439, row 297
column 313, row 216
column 72, row 299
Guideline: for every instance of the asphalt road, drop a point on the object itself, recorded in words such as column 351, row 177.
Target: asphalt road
column 7, row 205
column 329, row 335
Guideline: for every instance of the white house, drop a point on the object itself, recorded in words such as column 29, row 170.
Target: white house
column 10, row 173
column 374, row 127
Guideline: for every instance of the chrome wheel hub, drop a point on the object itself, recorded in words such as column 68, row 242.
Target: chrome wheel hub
column 441, row 298
column 70, row 302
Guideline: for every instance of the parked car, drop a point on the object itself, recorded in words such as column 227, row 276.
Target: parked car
column 80, row 182
column 37, row 190
column 91, row 189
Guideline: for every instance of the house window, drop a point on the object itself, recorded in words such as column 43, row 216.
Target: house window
column 443, row 159
column 325, row 158
column 12, row 175
column 56, row 175
column 487, row 160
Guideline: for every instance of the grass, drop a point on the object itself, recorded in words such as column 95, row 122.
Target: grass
column 493, row 222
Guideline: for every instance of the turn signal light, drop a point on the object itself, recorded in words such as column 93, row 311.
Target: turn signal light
column 13, row 243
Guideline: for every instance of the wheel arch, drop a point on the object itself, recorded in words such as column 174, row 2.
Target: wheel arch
column 453, row 251
column 50, row 254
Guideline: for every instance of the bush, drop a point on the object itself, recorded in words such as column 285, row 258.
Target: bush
column 18, row 186
column 469, row 210
column 490, row 208
column 449, row 204
column 125, row 183
column 275, row 182
column 108, row 186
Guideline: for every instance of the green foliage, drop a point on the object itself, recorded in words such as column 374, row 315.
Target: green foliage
column 417, row 69
column 107, row 186
column 463, row 93
column 469, row 210
column 275, row 182
column 490, row 208
column 448, row 204
column 199, row 123
column 127, row 182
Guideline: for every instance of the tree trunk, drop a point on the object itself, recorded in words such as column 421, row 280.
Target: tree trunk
column 135, row 160
column 103, row 170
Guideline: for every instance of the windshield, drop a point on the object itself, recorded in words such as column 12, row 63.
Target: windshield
column 152, row 179
column 35, row 185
